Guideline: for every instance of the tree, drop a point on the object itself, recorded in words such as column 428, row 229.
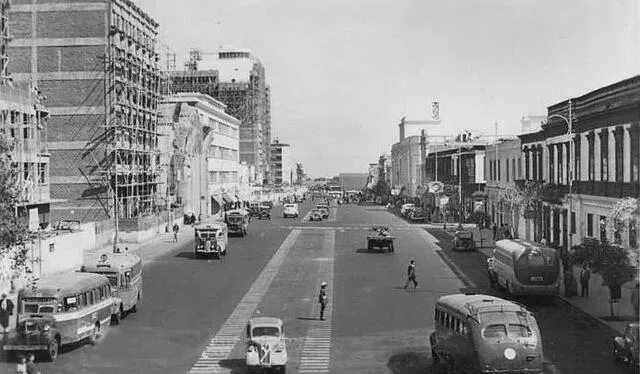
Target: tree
column 14, row 262
column 520, row 199
column 624, row 214
column 611, row 261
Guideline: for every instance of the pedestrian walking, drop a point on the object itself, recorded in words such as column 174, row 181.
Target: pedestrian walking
column 411, row 275
column 635, row 300
column 21, row 368
column 323, row 299
column 585, row 276
column 176, row 228
column 31, row 364
column 6, row 310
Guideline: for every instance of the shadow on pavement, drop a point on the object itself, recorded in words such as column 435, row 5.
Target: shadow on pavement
column 237, row 366
column 378, row 251
column 188, row 255
column 308, row 319
column 410, row 362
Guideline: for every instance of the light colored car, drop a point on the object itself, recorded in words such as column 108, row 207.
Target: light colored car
column 404, row 210
column 290, row 210
column 266, row 346
column 316, row 215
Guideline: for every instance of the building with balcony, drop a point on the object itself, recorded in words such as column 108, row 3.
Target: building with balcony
column 200, row 153
column 97, row 64
column 605, row 164
column 282, row 166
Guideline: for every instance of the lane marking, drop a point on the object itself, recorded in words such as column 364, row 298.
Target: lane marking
column 231, row 332
column 316, row 351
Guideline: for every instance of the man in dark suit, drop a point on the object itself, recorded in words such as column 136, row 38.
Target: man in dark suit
column 6, row 310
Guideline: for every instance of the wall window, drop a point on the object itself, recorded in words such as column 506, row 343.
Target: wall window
column 576, row 156
column 498, row 170
column 573, row 222
column 603, row 228
column 634, row 133
column 513, row 169
column 42, row 173
column 633, row 234
column 551, row 164
column 527, row 176
column 592, row 163
column 590, row 225
column 534, row 156
column 604, row 155
column 560, row 165
column 507, row 170
column 619, row 153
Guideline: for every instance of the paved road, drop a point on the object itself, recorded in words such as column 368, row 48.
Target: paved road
column 193, row 314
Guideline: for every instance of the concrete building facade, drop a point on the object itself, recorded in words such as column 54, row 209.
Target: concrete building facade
column 406, row 159
column 282, row 167
column 503, row 166
column 605, row 164
column 236, row 78
column 202, row 152
column 96, row 62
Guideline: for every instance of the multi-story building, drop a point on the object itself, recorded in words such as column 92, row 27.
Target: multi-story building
column 236, row 78
column 96, row 62
column 460, row 167
column 22, row 123
column 606, row 164
column 503, row 166
column 282, row 167
column 406, row 158
column 202, row 154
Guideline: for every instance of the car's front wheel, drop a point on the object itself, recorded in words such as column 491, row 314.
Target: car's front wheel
column 52, row 349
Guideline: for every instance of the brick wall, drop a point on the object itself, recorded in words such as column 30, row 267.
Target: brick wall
column 70, row 24
column 75, row 128
column 73, row 93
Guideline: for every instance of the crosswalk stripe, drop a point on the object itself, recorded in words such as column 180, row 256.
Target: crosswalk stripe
column 230, row 332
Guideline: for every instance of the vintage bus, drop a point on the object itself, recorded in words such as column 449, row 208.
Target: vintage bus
column 80, row 303
column 523, row 268
column 485, row 334
column 124, row 271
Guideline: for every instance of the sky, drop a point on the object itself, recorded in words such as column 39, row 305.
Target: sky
column 344, row 72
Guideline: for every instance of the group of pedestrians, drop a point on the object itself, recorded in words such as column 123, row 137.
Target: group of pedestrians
column 501, row 232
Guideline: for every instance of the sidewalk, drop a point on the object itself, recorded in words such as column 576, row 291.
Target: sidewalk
column 596, row 305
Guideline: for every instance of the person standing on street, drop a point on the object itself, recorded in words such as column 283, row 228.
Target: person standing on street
column 323, row 299
column 635, row 299
column 21, row 368
column 176, row 228
column 411, row 275
column 585, row 276
column 6, row 310
column 31, row 364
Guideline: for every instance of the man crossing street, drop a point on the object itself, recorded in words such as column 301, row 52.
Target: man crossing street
column 411, row 275
column 323, row 299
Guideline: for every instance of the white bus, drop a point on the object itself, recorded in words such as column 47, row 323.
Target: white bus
column 523, row 268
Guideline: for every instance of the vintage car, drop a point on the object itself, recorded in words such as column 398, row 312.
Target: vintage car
column 625, row 348
column 417, row 214
column 315, row 215
column 267, row 203
column 35, row 333
column 211, row 239
column 463, row 240
column 325, row 210
column 237, row 221
column 290, row 210
column 264, row 212
column 380, row 237
column 266, row 346
column 405, row 208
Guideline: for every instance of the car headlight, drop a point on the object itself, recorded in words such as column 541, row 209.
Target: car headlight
column 45, row 328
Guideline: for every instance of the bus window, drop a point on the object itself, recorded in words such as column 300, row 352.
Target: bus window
column 458, row 326
column 31, row 308
column 519, row 331
column 494, row 332
column 442, row 318
column 101, row 290
column 70, row 303
column 123, row 283
column 127, row 278
column 448, row 322
column 96, row 295
column 89, row 297
column 437, row 318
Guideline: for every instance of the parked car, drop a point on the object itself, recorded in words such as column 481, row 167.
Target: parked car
column 404, row 209
column 417, row 214
column 325, row 210
column 315, row 215
column 463, row 240
column 625, row 348
column 266, row 346
column 264, row 212
column 267, row 203
column 290, row 210
column 36, row 333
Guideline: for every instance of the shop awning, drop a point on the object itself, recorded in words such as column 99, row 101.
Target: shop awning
column 227, row 198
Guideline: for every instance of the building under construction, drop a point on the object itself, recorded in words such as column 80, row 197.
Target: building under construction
column 22, row 124
column 237, row 79
column 98, row 66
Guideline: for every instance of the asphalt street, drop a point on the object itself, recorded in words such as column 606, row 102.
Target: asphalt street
column 373, row 325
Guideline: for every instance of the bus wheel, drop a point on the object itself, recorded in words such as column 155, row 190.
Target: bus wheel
column 134, row 308
column 52, row 349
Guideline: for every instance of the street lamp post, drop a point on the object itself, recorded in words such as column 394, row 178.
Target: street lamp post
column 569, row 122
